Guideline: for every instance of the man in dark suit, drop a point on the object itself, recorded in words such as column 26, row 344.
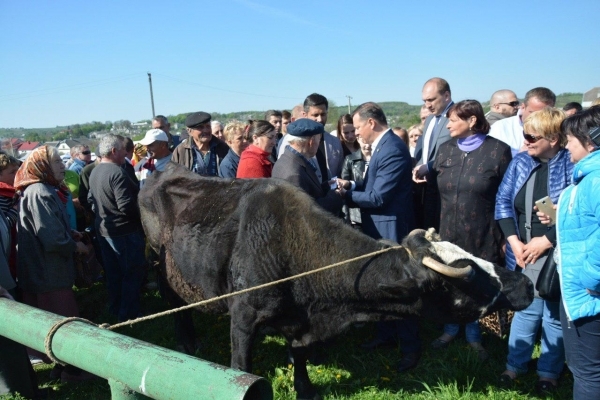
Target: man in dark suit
column 294, row 165
column 385, row 201
column 384, row 197
column 437, row 99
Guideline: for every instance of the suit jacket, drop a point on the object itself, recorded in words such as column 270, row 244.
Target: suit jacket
column 294, row 169
column 385, row 195
column 439, row 135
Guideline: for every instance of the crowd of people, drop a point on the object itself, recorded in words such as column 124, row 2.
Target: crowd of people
column 472, row 176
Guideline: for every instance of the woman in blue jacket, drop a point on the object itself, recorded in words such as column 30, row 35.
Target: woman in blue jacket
column 578, row 224
column 547, row 165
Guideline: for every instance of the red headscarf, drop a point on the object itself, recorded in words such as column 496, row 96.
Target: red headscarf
column 37, row 169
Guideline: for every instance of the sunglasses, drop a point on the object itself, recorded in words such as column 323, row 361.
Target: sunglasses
column 531, row 138
column 512, row 103
column 86, row 153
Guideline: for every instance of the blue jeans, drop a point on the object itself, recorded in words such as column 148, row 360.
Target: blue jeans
column 124, row 266
column 472, row 331
column 405, row 331
column 523, row 332
column 582, row 348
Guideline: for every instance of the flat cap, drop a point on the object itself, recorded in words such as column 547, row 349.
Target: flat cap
column 197, row 118
column 305, row 128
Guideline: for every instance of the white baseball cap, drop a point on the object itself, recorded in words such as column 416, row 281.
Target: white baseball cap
column 153, row 135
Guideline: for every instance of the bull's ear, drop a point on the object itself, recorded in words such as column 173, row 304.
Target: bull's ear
column 403, row 289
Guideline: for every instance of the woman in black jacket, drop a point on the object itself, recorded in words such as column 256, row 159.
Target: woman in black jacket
column 353, row 169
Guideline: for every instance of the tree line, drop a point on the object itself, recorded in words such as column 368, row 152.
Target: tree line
column 398, row 113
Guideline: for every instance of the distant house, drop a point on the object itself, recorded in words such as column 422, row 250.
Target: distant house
column 27, row 147
column 64, row 146
column 11, row 146
column 53, row 144
column 590, row 96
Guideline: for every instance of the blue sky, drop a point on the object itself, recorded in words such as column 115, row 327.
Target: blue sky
column 67, row 62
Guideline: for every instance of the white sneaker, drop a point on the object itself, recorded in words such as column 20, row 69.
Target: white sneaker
column 34, row 360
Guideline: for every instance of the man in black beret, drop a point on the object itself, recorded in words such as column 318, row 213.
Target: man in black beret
column 202, row 152
column 295, row 166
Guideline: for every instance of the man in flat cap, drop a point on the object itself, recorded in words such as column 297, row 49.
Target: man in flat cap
column 202, row 152
column 295, row 166
column 330, row 155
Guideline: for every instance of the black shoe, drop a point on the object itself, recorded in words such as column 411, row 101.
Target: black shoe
column 544, row 387
column 506, row 381
column 375, row 343
column 409, row 361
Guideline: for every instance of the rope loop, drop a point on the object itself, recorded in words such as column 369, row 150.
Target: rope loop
column 53, row 330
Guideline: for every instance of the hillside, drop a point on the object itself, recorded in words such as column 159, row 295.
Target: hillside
column 398, row 113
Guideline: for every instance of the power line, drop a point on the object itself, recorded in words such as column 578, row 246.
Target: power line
column 66, row 88
column 226, row 90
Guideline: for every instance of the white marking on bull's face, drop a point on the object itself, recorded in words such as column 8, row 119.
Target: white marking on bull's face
column 457, row 302
column 449, row 253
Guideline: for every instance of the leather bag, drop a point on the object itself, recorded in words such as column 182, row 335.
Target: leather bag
column 548, row 282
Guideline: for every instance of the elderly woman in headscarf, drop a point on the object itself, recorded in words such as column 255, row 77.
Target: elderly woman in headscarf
column 45, row 240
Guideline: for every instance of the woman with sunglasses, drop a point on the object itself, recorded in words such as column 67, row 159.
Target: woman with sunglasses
column 543, row 170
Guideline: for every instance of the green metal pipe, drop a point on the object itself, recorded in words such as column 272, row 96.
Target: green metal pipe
column 150, row 370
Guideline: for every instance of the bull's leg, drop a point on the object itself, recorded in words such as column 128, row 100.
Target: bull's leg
column 185, row 334
column 304, row 388
column 243, row 330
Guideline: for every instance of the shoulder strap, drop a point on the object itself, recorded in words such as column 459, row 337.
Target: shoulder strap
column 529, row 205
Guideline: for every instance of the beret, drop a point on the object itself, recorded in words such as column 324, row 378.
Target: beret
column 197, row 118
column 305, row 128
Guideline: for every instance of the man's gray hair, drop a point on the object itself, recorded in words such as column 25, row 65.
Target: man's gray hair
column 109, row 142
column 161, row 119
column 298, row 140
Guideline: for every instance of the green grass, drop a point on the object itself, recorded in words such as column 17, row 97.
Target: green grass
column 348, row 373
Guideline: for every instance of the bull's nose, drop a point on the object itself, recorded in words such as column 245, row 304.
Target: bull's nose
column 522, row 302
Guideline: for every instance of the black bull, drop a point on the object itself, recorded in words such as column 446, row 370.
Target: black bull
column 216, row 236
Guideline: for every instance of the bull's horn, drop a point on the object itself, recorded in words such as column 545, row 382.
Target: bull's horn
column 446, row 270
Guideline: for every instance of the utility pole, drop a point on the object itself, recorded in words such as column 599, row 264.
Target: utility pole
column 151, row 95
column 349, row 105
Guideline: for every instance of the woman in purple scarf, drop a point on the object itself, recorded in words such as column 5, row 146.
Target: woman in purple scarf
column 469, row 169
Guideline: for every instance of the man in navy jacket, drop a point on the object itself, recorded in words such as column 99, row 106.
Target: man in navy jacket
column 384, row 197
column 385, row 201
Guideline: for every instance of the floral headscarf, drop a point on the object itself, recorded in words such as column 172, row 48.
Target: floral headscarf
column 37, row 169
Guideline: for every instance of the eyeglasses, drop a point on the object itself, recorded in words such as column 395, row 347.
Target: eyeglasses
column 86, row 153
column 512, row 103
column 531, row 138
